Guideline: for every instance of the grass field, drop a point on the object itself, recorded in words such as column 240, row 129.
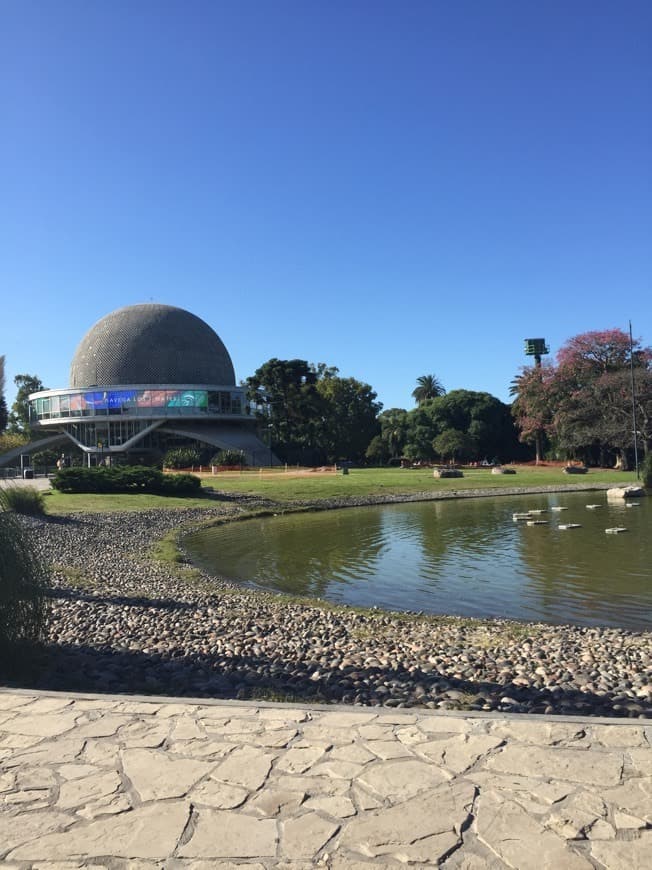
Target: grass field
column 282, row 486
column 64, row 503
column 290, row 486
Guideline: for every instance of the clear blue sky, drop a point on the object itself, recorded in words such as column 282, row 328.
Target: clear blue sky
column 394, row 188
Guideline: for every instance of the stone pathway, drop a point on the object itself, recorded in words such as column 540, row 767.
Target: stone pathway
column 124, row 782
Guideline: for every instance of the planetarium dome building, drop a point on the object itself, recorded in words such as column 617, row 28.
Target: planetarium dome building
column 146, row 378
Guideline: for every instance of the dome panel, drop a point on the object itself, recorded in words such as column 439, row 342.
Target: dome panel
column 151, row 344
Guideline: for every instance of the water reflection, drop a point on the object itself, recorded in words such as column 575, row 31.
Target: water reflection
column 462, row 557
column 585, row 574
column 312, row 557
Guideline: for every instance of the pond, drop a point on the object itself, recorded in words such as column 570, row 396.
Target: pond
column 466, row 557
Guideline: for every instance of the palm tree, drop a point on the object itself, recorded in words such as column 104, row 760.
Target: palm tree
column 428, row 387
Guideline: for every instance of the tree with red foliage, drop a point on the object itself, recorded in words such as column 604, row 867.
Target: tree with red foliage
column 601, row 351
column 584, row 402
column 533, row 406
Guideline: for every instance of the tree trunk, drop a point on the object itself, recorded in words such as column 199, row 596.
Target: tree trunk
column 538, row 440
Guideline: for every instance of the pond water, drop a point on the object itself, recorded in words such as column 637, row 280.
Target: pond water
column 465, row 557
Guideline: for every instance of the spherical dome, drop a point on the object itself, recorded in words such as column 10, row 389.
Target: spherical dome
column 151, row 344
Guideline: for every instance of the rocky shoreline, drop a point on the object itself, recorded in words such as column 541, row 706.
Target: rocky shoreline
column 121, row 621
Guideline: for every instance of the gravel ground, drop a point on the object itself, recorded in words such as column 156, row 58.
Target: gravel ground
column 122, row 622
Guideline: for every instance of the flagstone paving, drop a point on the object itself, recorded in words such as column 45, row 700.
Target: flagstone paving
column 122, row 782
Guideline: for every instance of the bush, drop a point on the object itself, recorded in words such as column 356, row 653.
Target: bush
column 229, row 457
column 45, row 458
column 22, row 586
column 24, row 500
column 182, row 457
column 646, row 471
column 125, row 478
column 181, row 484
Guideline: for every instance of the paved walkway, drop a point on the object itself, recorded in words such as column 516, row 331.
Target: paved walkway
column 124, row 782
column 42, row 483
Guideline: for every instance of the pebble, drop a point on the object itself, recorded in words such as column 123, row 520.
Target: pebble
column 122, row 622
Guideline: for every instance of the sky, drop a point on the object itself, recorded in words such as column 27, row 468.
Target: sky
column 393, row 188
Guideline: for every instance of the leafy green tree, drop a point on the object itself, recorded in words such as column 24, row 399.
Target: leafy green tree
column 483, row 418
column 428, row 387
column 19, row 417
column 351, row 420
column 292, row 411
column 310, row 413
column 377, row 453
column 389, row 444
column 394, row 430
column 4, row 415
column 11, row 440
column 454, row 445
column 422, row 429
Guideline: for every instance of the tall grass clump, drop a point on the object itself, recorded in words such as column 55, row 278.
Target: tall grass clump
column 24, row 500
column 22, row 590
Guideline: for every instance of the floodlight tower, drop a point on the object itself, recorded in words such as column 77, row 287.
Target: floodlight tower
column 537, row 347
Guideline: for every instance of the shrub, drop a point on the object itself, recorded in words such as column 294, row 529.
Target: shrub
column 24, row 500
column 125, row 478
column 228, row 457
column 181, row 484
column 22, row 586
column 646, row 471
column 182, row 457
column 45, row 457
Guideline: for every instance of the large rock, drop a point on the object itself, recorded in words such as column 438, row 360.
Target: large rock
column 447, row 472
column 623, row 492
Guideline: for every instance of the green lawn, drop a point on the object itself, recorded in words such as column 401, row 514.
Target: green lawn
column 358, row 483
column 366, row 481
column 64, row 503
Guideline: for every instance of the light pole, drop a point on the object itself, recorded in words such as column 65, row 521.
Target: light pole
column 631, row 369
column 536, row 347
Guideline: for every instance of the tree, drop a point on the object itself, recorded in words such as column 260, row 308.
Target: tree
column 19, row 417
column 428, row 387
column 454, row 445
column 311, row 413
column 351, row 420
column 291, row 407
column 377, row 452
column 533, row 408
column 4, row 416
column 584, row 402
column 393, row 431
column 601, row 351
column 484, row 420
